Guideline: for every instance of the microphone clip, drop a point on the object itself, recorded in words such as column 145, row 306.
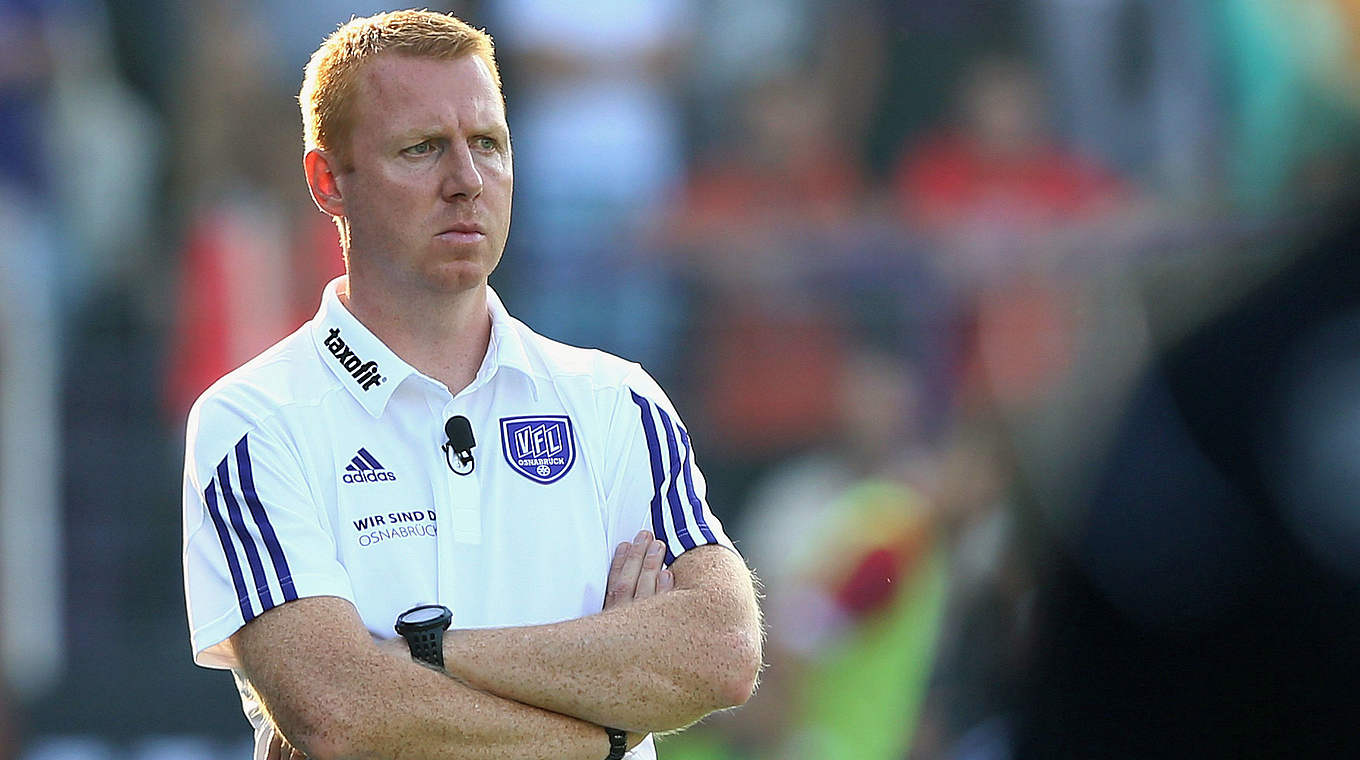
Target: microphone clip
column 465, row 464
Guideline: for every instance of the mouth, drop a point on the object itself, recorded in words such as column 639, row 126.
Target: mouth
column 463, row 233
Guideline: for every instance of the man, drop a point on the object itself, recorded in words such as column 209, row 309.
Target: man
column 319, row 506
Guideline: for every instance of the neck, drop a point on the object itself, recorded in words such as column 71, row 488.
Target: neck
column 443, row 335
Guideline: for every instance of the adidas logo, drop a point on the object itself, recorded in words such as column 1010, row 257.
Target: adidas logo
column 364, row 468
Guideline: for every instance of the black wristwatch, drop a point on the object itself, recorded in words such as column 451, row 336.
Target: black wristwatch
column 423, row 628
column 618, row 743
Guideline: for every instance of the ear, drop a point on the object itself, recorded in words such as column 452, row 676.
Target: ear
column 321, row 169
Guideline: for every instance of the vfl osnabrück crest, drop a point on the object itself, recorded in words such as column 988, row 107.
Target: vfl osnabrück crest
column 541, row 448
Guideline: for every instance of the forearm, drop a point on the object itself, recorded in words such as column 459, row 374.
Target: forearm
column 438, row 717
column 377, row 706
column 654, row 665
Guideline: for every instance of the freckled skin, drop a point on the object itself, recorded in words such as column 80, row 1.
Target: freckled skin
column 334, row 694
column 630, row 666
column 644, row 651
column 430, row 148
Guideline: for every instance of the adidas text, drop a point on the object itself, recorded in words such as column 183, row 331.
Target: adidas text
column 371, row 476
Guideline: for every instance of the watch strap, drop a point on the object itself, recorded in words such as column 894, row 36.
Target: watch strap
column 618, row 743
column 427, row 646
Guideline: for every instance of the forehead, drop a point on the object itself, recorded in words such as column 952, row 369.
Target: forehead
column 397, row 91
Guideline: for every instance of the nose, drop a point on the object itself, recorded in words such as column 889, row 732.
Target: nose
column 461, row 175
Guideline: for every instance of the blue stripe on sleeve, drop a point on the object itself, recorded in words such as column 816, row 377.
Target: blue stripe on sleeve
column 654, row 450
column 696, row 506
column 233, row 564
column 673, row 492
column 271, row 540
column 247, row 541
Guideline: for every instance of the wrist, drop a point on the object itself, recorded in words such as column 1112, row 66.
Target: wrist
column 423, row 629
column 457, row 657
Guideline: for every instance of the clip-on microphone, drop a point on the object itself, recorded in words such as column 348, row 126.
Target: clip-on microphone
column 459, row 445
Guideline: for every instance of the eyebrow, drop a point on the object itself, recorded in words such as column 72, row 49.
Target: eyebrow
column 419, row 134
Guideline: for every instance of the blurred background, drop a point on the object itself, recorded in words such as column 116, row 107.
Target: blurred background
column 1020, row 341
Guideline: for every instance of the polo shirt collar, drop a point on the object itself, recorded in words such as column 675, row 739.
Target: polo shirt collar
column 371, row 371
column 507, row 339
column 361, row 362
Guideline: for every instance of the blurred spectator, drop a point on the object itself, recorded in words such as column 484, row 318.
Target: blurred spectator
column 787, row 166
column 1133, row 84
column 847, row 544
column 1009, row 209
column 26, row 67
column 993, row 186
column 970, row 704
column 762, row 217
column 997, row 193
column 31, row 633
column 917, row 52
column 598, row 150
column 741, row 44
column 828, row 46
column 256, row 250
column 103, row 191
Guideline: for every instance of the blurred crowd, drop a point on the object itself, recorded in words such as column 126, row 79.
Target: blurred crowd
column 948, row 291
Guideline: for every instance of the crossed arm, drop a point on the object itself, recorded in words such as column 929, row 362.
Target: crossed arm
column 648, row 662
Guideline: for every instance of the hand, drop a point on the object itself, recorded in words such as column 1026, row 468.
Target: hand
column 636, row 571
column 280, row 749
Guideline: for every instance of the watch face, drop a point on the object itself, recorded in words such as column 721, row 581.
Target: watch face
column 426, row 614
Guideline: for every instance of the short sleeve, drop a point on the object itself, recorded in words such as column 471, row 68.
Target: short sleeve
column 656, row 482
column 254, row 537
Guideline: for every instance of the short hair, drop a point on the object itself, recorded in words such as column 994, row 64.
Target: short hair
column 332, row 75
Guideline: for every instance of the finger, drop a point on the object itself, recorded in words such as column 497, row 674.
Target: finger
column 625, row 582
column 665, row 581
column 615, row 585
column 296, row 754
column 275, row 751
column 620, row 555
column 651, row 569
column 637, row 554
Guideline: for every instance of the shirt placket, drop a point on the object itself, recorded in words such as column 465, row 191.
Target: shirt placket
column 462, row 490
column 459, row 517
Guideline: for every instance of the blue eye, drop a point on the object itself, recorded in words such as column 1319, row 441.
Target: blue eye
column 419, row 149
column 486, row 143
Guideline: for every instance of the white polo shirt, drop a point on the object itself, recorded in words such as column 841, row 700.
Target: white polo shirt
column 316, row 469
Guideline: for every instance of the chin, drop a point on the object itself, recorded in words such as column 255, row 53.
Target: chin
column 456, row 278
